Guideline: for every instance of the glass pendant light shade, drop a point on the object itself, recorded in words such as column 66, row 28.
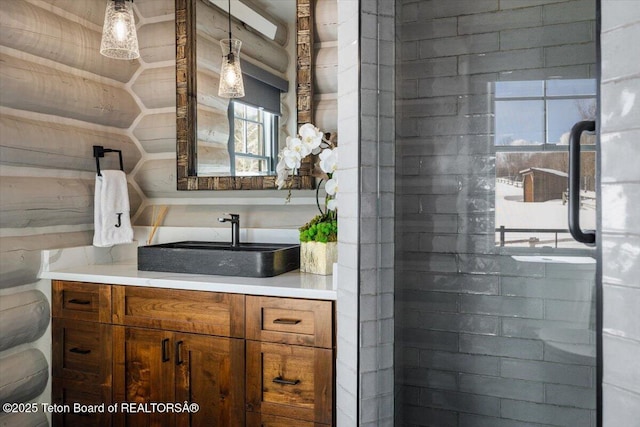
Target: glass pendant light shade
column 119, row 39
column 231, row 84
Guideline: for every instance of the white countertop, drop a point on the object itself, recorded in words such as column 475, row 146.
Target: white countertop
column 117, row 266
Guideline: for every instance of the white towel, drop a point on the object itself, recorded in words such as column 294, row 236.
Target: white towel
column 111, row 210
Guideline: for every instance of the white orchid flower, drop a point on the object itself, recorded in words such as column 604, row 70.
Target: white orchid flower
column 332, row 204
column 311, row 137
column 331, row 187
column 329, row 160
column 282, row 173
column 293, row 153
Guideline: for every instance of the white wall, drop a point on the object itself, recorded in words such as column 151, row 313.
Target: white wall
column 620, row 175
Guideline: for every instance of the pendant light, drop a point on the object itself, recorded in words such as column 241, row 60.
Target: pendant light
column 231, row 84
column 119, row 39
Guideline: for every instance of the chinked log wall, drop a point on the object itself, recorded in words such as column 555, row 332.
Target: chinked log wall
column 59, row 98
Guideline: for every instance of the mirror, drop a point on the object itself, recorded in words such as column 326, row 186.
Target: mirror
column 203, row 119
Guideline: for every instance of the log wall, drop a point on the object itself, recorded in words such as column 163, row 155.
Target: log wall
column 59, row 98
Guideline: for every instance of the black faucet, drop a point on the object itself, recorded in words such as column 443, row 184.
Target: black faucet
column 235, row 228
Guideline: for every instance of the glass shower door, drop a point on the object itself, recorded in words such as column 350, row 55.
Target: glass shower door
column 495, row 312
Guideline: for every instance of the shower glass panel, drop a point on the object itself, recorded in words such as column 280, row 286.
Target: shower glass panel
column 494, row 301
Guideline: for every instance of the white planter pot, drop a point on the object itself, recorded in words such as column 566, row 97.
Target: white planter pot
column 317, row 257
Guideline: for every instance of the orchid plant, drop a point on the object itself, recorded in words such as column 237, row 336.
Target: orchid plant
column 310, row 141
column 324, row 227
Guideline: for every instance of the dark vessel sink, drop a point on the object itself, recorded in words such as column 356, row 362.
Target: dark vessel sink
column 220, row 258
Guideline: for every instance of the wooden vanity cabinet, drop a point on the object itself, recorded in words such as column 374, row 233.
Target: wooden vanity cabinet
column 144, row 345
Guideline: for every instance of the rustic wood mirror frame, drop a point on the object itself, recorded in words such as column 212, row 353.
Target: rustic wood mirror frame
column 186, row 104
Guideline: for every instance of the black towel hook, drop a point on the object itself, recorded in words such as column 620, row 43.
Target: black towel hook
column 99, row 150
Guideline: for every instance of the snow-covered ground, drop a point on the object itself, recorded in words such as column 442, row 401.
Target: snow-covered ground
column 512, row 212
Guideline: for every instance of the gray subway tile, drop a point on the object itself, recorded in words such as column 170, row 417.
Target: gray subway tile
column 429, row 68
column 421, row 416
column 461, row 402
column 570, row 311
column 564, row 395
column 573, row 54
column 452, row 283
column 516, row 4
column 454, row 125
column 459, row 45
column 565, row 332
column 444, row 223
column 569, row 11
column 500, row 346
column 459, row 362
column 458, row 85
column 431, row 378
column 485, row 325
column 555, row 373
column 428, row 107
column 502, row 387
column 425, row 339
column 432, row 29
column 502, row 20
column 456, row 165
column 502, row 61
column 437, row 263
column 471, row 420
column 573, row 354
column 562, row 289
column 546, row 414
column 550, row 35
column 445, row 8
column 495, row 264
column 501, row 306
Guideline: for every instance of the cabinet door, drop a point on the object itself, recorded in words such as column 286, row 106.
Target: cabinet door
column 143, row 373
column 72, row 393
column 210, row 372
column 290, row 381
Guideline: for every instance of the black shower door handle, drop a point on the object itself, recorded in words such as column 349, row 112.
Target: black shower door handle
column 588, row 237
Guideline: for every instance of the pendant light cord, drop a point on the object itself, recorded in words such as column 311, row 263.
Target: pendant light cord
column 229, row 21
column 230, row 55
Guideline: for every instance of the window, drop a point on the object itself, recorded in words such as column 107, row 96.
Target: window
column 253, row 145
column 532, row 124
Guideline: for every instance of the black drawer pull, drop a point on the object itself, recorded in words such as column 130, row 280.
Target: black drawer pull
column 280, row 380
column 179, row 360
column 79, row 351
column 287, row 321
column 79, row 301
column 165, row 350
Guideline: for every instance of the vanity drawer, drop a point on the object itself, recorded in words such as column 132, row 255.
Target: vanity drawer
column 290, row 321
column 80, row 349
column 81, row 301
column 290, row 381
column 201, row 312
column 71, row 393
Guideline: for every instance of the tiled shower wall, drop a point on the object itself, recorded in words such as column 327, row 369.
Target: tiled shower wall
column 620, row 150
column 481, row 339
